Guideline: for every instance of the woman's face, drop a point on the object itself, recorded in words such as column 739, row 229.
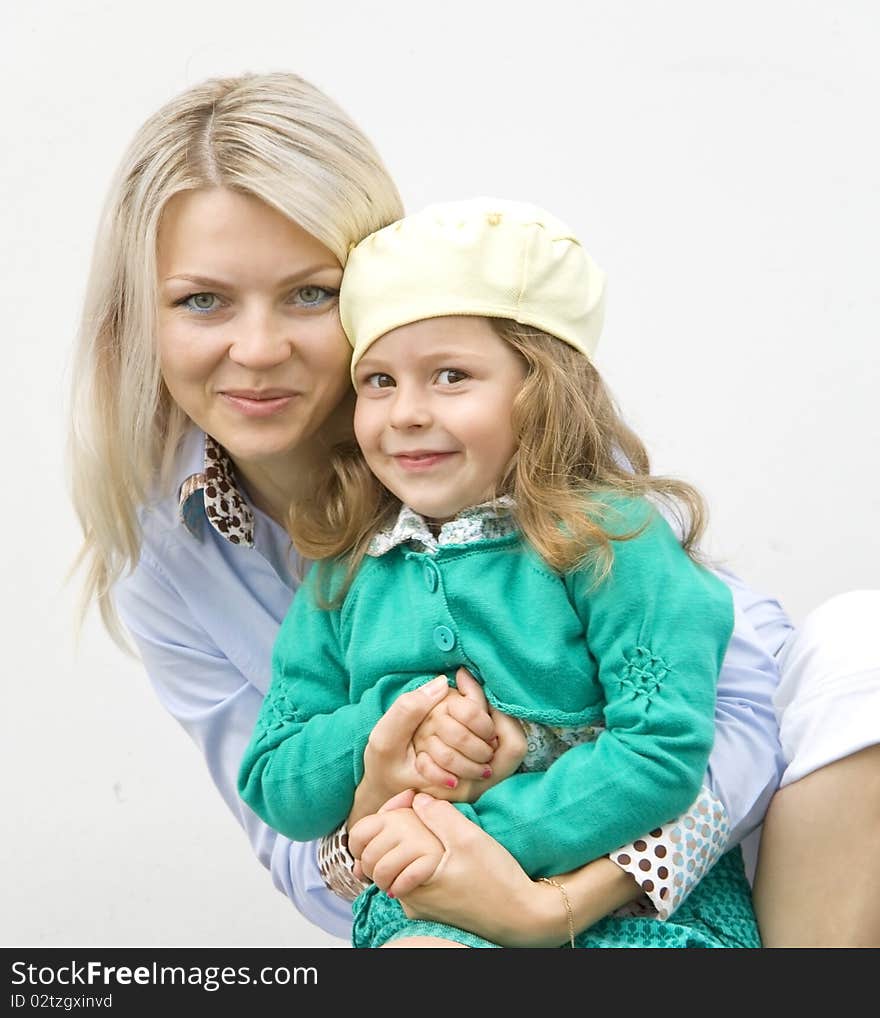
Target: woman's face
column 250, row 342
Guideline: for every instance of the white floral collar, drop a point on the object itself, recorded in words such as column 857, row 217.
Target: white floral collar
column 478, row 523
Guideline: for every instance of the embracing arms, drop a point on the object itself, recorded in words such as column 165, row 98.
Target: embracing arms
column 216, row 701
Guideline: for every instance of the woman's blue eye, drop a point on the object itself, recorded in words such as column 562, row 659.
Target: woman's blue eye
column 449, row 376
column 200, row 302
column 311, row 296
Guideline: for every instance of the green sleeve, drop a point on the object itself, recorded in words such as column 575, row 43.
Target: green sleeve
column 658, row 627
column 305, row 756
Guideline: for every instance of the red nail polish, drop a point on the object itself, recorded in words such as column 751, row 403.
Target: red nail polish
column 487, row 773
column 390, row 895
column 451, row 783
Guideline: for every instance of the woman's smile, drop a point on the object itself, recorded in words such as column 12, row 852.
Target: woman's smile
column 259, row 403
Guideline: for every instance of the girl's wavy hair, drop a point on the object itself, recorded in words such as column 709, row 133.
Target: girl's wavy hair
column 575, row 456
column 274, row 136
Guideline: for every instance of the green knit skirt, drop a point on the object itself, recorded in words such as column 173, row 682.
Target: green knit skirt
column 717, row 913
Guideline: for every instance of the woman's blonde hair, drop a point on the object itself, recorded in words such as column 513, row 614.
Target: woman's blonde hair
column 274, row 136
column 574, row 453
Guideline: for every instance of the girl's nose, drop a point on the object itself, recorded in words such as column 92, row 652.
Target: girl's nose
column 409, row 408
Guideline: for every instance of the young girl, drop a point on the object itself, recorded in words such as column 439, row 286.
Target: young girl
column 499, row 516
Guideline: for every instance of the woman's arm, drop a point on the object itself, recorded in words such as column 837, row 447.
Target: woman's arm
column 217, row 706
column 746, row 761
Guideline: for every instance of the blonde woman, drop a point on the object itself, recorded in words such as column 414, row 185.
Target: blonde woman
column 211, row 378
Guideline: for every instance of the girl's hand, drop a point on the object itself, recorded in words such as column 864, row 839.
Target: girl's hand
column 477, row 885
column 457, row 739
column 464, row 746
column 390, row 756
column 394, row 849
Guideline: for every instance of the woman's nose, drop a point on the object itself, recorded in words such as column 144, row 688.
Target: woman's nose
column 260, row 341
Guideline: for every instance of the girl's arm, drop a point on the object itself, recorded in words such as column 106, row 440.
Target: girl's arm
column 303, row 771
column 744, row 766
column 305, row 758
column 657, row 627
column 742, row 775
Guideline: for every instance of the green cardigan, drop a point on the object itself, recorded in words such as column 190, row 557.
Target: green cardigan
column 639, row 653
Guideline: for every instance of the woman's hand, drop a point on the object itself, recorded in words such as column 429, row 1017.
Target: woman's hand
column 477, row 884
column 389, row 758
column 450, row 872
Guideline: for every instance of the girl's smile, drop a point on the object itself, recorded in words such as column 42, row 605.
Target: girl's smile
column 433, row 415
column 421, row 460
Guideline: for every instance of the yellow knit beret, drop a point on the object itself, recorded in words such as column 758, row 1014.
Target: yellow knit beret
column 480, row 256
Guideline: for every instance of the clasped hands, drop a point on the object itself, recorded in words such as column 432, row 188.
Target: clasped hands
column 434, row 743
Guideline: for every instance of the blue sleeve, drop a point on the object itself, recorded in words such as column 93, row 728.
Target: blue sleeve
column 746, row 761
column 217, row 707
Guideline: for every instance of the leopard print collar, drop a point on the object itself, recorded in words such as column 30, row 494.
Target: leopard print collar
column 221, row 503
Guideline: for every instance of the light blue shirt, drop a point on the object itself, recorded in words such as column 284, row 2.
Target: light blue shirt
column 204, row 614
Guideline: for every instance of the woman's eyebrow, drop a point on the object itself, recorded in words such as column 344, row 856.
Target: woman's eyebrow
column 198, row 280
column 295, row 277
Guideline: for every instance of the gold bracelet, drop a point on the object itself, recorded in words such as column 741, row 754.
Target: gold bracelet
column 569, row 912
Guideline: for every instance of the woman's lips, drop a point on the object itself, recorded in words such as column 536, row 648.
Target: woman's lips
column 421, row 460
column 257, row 403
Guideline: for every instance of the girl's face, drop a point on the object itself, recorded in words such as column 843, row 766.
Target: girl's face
column 250, row 343
column 433, row 414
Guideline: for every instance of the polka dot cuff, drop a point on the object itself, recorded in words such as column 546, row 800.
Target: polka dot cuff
column 670, row 861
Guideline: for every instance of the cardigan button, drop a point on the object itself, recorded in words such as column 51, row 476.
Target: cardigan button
column 444, row 637
column 430, row 574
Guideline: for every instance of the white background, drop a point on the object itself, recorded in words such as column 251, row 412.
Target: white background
column 720, row 161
